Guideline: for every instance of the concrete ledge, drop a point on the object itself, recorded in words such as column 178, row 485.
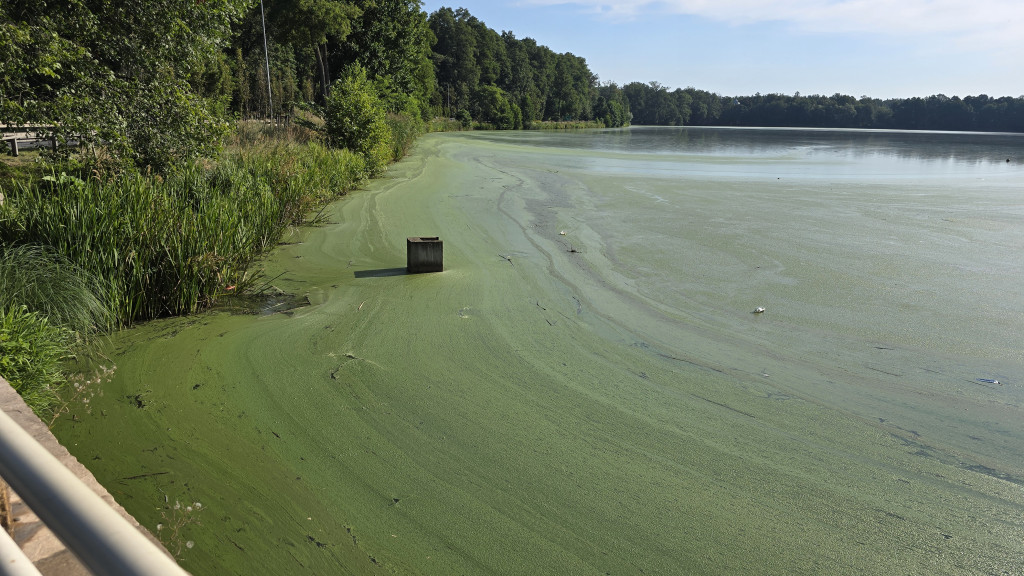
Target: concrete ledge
column 41, row 546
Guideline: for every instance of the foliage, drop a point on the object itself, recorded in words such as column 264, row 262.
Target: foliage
column 46, row 282
column 308, row 39
column 491, row 106
column 472, row 61
column 567, row 125
column 31, row 352
column 356, row 120
column 391, row 41
column 404, row 128
column 654, row 104
column 612, row 106
column 303, row 32
column 439, row 124
column 71, row 68
column 173, row 245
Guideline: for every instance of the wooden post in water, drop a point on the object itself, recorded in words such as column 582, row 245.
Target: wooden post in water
column 424, row 254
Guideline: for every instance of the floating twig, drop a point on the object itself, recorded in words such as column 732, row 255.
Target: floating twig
column 137, row 476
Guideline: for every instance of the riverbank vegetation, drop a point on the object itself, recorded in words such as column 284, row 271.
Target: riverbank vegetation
column 161, row 193
column 144, row 247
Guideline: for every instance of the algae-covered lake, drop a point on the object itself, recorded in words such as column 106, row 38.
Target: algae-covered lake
column 585, row 389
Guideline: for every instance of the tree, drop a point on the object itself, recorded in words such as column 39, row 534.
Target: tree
column 612, row 107
column 317, row 24
column 454, row 57
column 391, row 40
column 491, row 105
column 116, row 74
column 355, row 119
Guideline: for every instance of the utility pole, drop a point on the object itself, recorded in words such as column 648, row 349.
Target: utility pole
column 266, row 54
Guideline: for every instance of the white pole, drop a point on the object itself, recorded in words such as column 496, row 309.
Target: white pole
column 13, row 561
column 266, row 54
column 101, row 538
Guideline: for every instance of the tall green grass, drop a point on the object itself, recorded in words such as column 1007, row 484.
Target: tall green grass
column 32, row 350
column 79, row 251
column 405, row 128
column 46, row 282
column 172, row 245
column 445, row 125
column 48, row 306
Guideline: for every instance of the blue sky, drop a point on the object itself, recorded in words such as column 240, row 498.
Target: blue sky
column 878, row 48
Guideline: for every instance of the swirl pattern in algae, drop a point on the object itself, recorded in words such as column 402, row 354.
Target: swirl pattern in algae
column 527, row 411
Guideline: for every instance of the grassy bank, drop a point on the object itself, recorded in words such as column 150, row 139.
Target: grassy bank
column 132, row 246
column 114, row 249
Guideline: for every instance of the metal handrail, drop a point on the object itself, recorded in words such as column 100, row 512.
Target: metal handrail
column 101, row 538
column 14, row 562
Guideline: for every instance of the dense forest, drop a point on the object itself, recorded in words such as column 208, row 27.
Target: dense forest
column 499, row 79
column 655, row 104
column 446, row 64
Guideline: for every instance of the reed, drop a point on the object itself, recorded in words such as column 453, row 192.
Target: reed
column 405, row 128
column 566, row 125
column 172, row 245
column 444, row 125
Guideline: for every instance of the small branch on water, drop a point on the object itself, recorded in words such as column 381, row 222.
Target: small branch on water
column 137, row 476
column 266, row 284
column 507, row 259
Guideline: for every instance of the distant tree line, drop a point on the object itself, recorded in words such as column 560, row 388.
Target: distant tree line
column 654, row 104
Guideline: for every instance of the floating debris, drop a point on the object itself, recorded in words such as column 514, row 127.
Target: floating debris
column 562, row 233
column 989, row 381
column 758, row 310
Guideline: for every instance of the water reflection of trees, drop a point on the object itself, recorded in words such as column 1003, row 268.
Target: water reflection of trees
column 960, row 147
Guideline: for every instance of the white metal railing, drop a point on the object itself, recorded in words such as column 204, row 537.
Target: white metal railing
column 13, row 561
column 101, row 538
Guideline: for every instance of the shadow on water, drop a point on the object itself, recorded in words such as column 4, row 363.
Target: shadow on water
column 381, row 272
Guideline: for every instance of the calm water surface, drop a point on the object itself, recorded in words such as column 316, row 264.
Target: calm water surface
column 586, row 389
column 889, row 263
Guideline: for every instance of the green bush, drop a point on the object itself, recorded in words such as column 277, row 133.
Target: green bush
column 493, row 107
column 31, row 352
column 356, row 120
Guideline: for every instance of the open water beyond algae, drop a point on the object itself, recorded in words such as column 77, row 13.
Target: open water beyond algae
column 585, row 389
